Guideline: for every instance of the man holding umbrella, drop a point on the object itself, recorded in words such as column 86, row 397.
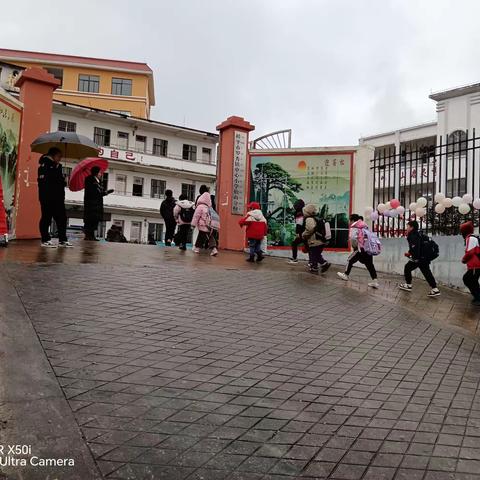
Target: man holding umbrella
column 51, row 192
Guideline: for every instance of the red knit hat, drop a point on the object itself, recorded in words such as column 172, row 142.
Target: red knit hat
column 466, row 228
column 253, row 206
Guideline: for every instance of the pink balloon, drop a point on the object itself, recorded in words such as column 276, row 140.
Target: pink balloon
column 394, row 203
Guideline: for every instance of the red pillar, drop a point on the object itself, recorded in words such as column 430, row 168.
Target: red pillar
column 233, row 180
column 36, row 93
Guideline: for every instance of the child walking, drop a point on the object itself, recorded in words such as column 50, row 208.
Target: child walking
column 472, row 259
column 202, row 220
column 183, row 214
column 314, row 236
column 298, row 240
column 256, row 229
column 357, row 239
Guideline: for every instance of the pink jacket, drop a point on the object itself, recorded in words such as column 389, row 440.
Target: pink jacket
column 357, row 236
column 201, row 215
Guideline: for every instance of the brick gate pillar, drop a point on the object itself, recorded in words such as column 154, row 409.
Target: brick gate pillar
column 233, row 180
column 36, row 93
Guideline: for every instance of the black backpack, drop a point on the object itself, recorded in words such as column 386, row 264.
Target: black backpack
column 429, row 248
column 186, row 214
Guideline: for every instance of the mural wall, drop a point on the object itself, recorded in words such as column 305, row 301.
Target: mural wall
column 10, row 117
column 324, row 179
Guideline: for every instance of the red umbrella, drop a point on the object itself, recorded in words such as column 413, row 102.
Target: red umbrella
column 83, row 170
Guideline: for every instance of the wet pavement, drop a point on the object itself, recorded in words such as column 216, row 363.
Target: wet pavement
column 169, row 366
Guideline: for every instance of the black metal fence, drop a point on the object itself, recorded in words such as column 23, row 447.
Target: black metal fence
column 450, row 166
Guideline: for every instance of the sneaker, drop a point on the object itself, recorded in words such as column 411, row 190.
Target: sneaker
column 434, row 292
column 182, row 247
column 343, row 276
column 214, row 252
column 325, row 267
column 405, row 286
column 195, row 250
column 65, row 244
column 260, row 257
column 293, row 261
column 48, row 244
column 313, row 270
column 251, row 259
column 374, row 284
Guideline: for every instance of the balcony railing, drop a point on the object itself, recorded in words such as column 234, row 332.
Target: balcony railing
column 154, row 153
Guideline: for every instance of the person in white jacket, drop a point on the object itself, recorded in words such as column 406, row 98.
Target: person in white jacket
column 183, row 214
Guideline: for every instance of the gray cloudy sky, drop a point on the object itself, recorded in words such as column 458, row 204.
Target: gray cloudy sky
column 332, row 70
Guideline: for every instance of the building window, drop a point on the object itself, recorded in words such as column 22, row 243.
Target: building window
column 189, row 191
column 141, row 143
column 136, row 232
column 65, row 126
column 121, row 86
column 122, row 140
column 67, row 171
column 137, row 190
column 57, row 73
column 105, row 181
column 155, row 232
column 101, row 136
column 158, row 188
column 160, row 147
column 88, row 83
column 121, row 184
column 189, row 152
column 206, row 155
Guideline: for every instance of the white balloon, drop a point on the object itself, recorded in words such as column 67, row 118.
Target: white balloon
column 467, row 198
column 388, row 206
column 400, row 210
column 393, row 213
column 464, row 208
column 456, row 201
column 422, row 202
column 439, row 197
column 381, row 207
column 447, row 203
column 476, row 204
column 368, row 211
column 412, row 206
column 420, row 212
column 440, row 208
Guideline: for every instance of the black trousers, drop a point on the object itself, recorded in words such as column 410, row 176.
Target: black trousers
column 470, row 279
column 424, row 268
column 206, row 240
column 170, row 231
column 298, row 240
column 362, row 257
column 53, row 210
column 89, row 227
column 182, row 235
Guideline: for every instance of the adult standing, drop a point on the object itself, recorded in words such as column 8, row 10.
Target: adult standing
column 472, row 260
column 166, row 211
column 418, row 259
column 51, row 193
column 93, row 203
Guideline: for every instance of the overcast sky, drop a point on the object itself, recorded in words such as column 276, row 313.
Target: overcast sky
column 331, row 71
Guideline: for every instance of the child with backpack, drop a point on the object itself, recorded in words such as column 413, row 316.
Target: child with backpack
column 315, row 235
column 422, row 250
column 298, row 240
column 472, row 259
column 365, row 246
column 256, row 229
column 183, row 214
column 206, row 224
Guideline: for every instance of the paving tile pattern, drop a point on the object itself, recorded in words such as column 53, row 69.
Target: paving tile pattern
column 186, row 372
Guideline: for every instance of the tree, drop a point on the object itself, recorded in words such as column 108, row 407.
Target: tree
column 270, row 176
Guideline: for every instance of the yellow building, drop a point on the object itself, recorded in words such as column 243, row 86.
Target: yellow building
column 113, row 85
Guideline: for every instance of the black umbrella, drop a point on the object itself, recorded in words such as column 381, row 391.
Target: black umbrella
column 71, row 144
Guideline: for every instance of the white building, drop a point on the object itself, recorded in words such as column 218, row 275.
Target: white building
column 145, row 159
column 438, row 156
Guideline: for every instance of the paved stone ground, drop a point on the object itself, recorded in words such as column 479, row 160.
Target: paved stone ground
column 196, row 371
